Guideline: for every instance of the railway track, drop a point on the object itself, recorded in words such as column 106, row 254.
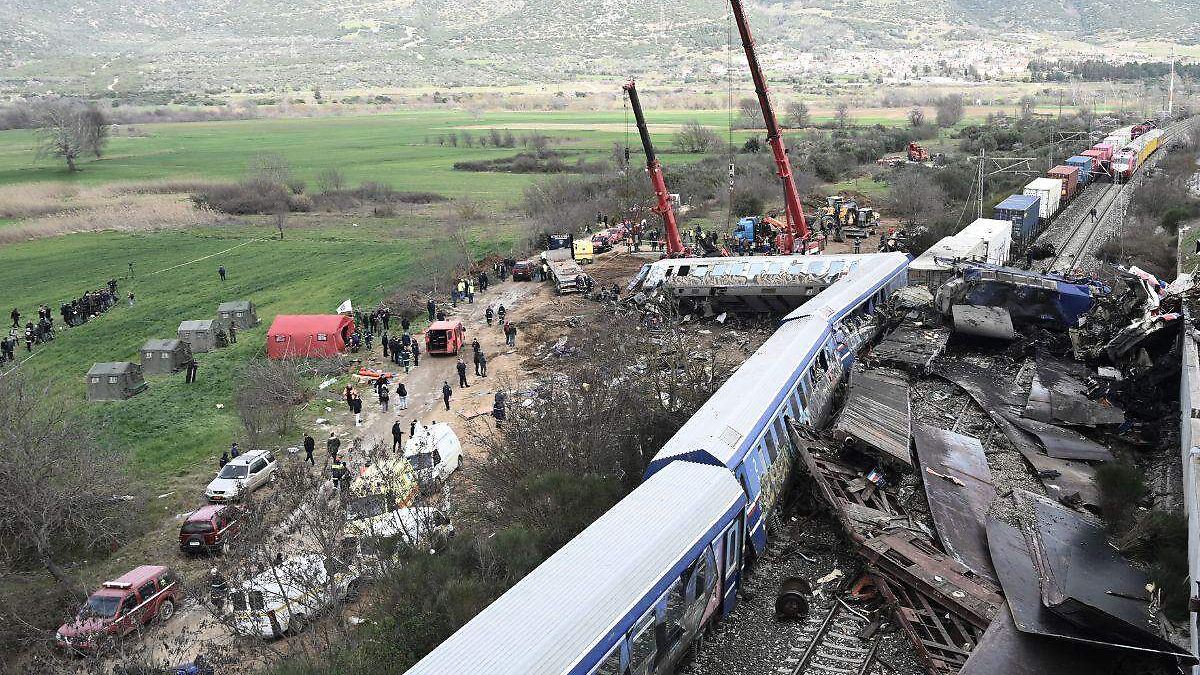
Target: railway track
column 832, row 645
column 1079, row 244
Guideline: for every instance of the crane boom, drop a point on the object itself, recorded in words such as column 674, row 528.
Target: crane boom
column 663, row 208
column 795, row 213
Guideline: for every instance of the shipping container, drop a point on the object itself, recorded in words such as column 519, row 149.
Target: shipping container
column 1050, row 192
column 1022, row 211
column 935, row 266
column 996, row 236
column 1121, row 137
column 1069, row 175
column 1084, row 164
column 1106, row 151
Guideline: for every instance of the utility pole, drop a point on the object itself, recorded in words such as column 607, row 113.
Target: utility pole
column 1171, row 90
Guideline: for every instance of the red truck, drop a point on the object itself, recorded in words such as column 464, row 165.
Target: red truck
column 122, row 606
column 523, row 270
column 446, row 337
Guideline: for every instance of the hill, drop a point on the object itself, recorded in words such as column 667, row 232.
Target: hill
column 256, row 45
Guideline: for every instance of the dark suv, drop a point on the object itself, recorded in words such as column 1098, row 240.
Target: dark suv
column 208, row 529
column 522, row 271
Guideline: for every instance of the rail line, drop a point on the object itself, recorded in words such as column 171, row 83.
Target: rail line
column 1079, row 243
column 833, row 645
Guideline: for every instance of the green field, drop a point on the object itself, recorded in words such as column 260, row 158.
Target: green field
column 172, row 426
column 399, row 149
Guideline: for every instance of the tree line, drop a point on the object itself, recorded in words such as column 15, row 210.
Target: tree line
column 1100, row 70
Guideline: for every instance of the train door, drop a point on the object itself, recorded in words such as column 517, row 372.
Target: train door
column 730, row 546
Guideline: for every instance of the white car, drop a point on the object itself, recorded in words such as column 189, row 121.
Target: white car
column 434, row 452
column 241, row 476
column 286, row 597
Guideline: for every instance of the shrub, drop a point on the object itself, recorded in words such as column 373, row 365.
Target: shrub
column 1120, row 486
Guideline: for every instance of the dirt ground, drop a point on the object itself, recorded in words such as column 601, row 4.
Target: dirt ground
column 542, row 318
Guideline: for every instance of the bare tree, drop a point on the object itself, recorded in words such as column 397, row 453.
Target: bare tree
column 916, row 116
column 269, row 167
column 331, row 179
column 1027, row 105
column 798, row 115
column 949, row 110
column 61, row 492
column 468, row 139
column 841, row 115
column 69, row 130
column 915, row 196
column 694, row 137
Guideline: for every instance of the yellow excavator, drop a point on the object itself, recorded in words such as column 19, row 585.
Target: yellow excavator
column 841, row 213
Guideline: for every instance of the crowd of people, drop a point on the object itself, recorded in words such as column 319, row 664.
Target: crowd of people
column 74, row 313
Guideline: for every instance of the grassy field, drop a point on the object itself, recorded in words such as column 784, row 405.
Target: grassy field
column 400, row 149
column 172, row 426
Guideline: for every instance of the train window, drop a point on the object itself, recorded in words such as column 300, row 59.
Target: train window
column 701, row 270
column 769, row 441
column 683, row 270
column 720, row 269
column 784, row 441
column 822, row 360
column 836, row 266
column 611, row 663
column 673, row 612
column 731, row 550
column 643, row 646
column 756, row 268
column 817, row 267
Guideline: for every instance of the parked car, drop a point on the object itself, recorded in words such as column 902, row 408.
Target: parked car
column 208, row 529
column 523, row 270
column 122, row 606
column 445, row 337
column 284, row 598
column 241, row 476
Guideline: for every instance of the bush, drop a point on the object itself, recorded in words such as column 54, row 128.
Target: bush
column 1120, row 486
column 245, row 198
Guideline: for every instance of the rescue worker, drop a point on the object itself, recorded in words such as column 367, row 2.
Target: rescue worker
column 483, row 282
column 498, row 408
column 339, row 473
column 405, row 358
column 462, row 372
column 416, row 353
column 441, row 315
column 500, row 315
column 446, row 392
column 16, row 317
column 397, row 436
column 475, row 346
column 510, row 334
column 310, row 444
column 333, row 444
column 223, row 461
column 384, row 395
column 430, row 307
column 221, row 272
column 482, row 365
column 384, row 341
column 471, row 292
column 217, row 590
column 489, row 314
column 478, row 362
column 233, row 450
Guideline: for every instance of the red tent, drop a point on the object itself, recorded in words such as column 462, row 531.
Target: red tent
column 306, row 335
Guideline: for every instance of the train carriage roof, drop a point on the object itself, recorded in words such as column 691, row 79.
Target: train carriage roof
column 714, row 435
column 619, row 565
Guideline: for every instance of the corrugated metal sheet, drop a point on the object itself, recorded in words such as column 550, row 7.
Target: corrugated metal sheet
column 547, row 622
column 877, row 414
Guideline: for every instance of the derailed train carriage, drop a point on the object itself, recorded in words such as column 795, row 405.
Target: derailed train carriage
column 630, row 592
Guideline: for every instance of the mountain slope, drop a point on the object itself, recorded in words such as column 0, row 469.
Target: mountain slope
column 218, row 45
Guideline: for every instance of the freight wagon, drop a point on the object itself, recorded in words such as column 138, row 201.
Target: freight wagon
column 1069, row 175
column 1022, row 211
column 1049, row 190
column 984, row 241
column 1085, row 166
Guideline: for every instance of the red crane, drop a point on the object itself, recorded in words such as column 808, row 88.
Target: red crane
column 671, row 229
column 795, row 214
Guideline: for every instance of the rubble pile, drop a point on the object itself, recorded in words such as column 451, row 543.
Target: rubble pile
column 961, row 472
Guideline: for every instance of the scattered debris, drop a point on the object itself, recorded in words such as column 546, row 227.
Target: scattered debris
column 877, row 415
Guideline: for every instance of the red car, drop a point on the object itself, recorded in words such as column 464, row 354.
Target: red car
column 523, row 271
column 122, row 606
column 445, row 337
column 208, row 529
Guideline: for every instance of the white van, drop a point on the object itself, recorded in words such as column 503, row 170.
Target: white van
column 434, row 452
column 284, row 598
